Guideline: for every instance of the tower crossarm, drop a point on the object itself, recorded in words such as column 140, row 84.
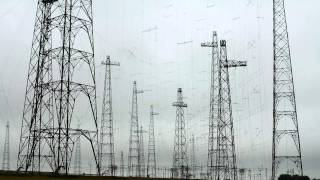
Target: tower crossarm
column 154, row 113
column 112, row 63
column 49, row 1
column 109, row 62
column 213, row 44
column 292, row 158
column 140, row 91
column 209, row 44
column 179, row 104
column 141, row 131
column 234, row 63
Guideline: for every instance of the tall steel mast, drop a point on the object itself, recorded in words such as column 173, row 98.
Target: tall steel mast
column 107, row 156
column 180, row 157
column 152, row 161
column 54, row 86
column 285, row 121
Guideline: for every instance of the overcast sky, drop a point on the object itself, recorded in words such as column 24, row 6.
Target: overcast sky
column 158, row 44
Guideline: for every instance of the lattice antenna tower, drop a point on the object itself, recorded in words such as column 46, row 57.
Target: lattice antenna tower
column 242, row 172
column 193, row 157
column 107, row 156
column 213, row 112
column 285, row 121
column 152, row 161
column 226, row 167
column 122, row 165
column 180, row 158
column 62, row 45
column 6, row 151
column 142, row 165
column 133, row 157
column 77, row 159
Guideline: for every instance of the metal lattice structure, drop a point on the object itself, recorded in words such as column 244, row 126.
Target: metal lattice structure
column 77, row 156
column 284, row 100
column 122, row 164
column 226, row 167
column 134, row 150
column 62, row 45
column 180, row 158
column 142, row 165
column 152, row 161
column 193, row 158
column 6, row 150
column 213, row 112
column 107, row 156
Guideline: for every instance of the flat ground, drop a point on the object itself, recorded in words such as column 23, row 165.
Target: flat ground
column 15, row 176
